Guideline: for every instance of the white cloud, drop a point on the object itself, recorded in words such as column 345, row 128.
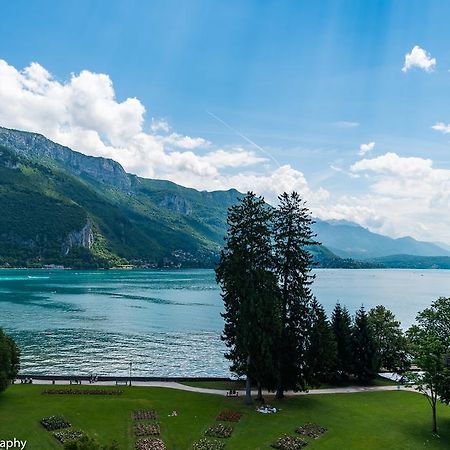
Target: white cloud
column 366, row 148
column 160, row 125
column 84, row 114
column 442, row 127
column 346, row 124
column 420, row 58
column 407, row 196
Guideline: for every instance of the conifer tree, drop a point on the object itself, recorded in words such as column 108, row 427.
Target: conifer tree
column 341, row 324
column 292, row 236
column 364, row 349
column 321, row 353
column 249, row 291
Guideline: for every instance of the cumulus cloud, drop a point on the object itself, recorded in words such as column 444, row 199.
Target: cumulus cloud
column 442, row 127
column 420, row 58
column 84, row 114
column 407, row 195
column 366, row 148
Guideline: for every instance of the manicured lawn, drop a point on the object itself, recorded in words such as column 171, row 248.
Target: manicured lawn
column 382, row 420
column 240, row 384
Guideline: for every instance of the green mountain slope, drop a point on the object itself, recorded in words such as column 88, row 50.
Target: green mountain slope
column 62, row 207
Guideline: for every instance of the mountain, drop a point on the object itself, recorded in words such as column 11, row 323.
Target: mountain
column 349, row 240
column 62, row 207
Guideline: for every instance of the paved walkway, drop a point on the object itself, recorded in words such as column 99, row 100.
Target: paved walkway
column 223, row 392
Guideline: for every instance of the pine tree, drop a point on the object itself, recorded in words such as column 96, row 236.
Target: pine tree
column 322, row 352
column 292, row 236
column 341, row 324
column 249, row 291
column 364, row 348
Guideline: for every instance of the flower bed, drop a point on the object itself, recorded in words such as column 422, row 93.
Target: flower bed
column 220, row 431
column 53, row 423
column 150, row 444
column 147, row 429
column 67, row 435
column 82, row 391
column 311, row 430
column 207, row 444
column 144, row 414
column 228, row 415
column 289, row 443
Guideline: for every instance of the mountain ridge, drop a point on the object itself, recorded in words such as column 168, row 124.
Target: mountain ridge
column 85, row 211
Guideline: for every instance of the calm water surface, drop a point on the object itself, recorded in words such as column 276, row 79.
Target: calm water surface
column 166, row 322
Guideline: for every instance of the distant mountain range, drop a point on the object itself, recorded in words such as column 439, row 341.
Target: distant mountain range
column 349, row 240
column 61, row 207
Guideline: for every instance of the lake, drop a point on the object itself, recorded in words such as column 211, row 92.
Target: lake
column 166, row 322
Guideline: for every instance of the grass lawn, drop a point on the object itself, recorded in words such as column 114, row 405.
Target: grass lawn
column 364, row 421
column 240, row 384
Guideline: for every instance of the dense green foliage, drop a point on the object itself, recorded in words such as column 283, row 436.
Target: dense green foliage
column 363, row 348
column 276, row 332
column 321, row 354
column 158, row 223
column 9, row 360
column 390, row 341
column 249, row 291
column 292, row 237
column 369, row 421
column 341, row 325
column 430, row 347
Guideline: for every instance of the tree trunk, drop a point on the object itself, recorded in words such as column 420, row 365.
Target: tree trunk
column 260, row 396
column 248, row 385
column 248, row 391
column 433, row 407
column 280, row 393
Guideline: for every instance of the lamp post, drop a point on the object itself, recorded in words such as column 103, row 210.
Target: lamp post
column 131, row 364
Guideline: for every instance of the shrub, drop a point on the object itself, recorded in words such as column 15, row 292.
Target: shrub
column 220, row 431
column 147, row 429
column 82, row 391
column 67, row 435
column 207, row 444
column 144, row 414
column 228, row 415
column 311, row 430
column 87, row 443
column 53, row 423
column 9, row 360
column 289, row 443
column 150, row 444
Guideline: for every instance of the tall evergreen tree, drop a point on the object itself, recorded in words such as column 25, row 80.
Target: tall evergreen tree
column 341, row 323
column 322, row 352
column 249, row 291
column 292, row 236
column 364, row 348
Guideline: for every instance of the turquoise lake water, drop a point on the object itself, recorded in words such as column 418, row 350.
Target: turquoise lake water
column 166, row 322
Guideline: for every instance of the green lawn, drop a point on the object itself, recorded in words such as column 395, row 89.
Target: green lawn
column 382, row 420
column 240, row 384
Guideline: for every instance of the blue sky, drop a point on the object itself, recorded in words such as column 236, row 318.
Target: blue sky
column 308, row 82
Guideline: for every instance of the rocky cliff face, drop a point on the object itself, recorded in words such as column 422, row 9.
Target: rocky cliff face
column 79, row 238
column 33, row 145
column 176, row 203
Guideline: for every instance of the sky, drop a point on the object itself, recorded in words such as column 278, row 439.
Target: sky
column 346, row 102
